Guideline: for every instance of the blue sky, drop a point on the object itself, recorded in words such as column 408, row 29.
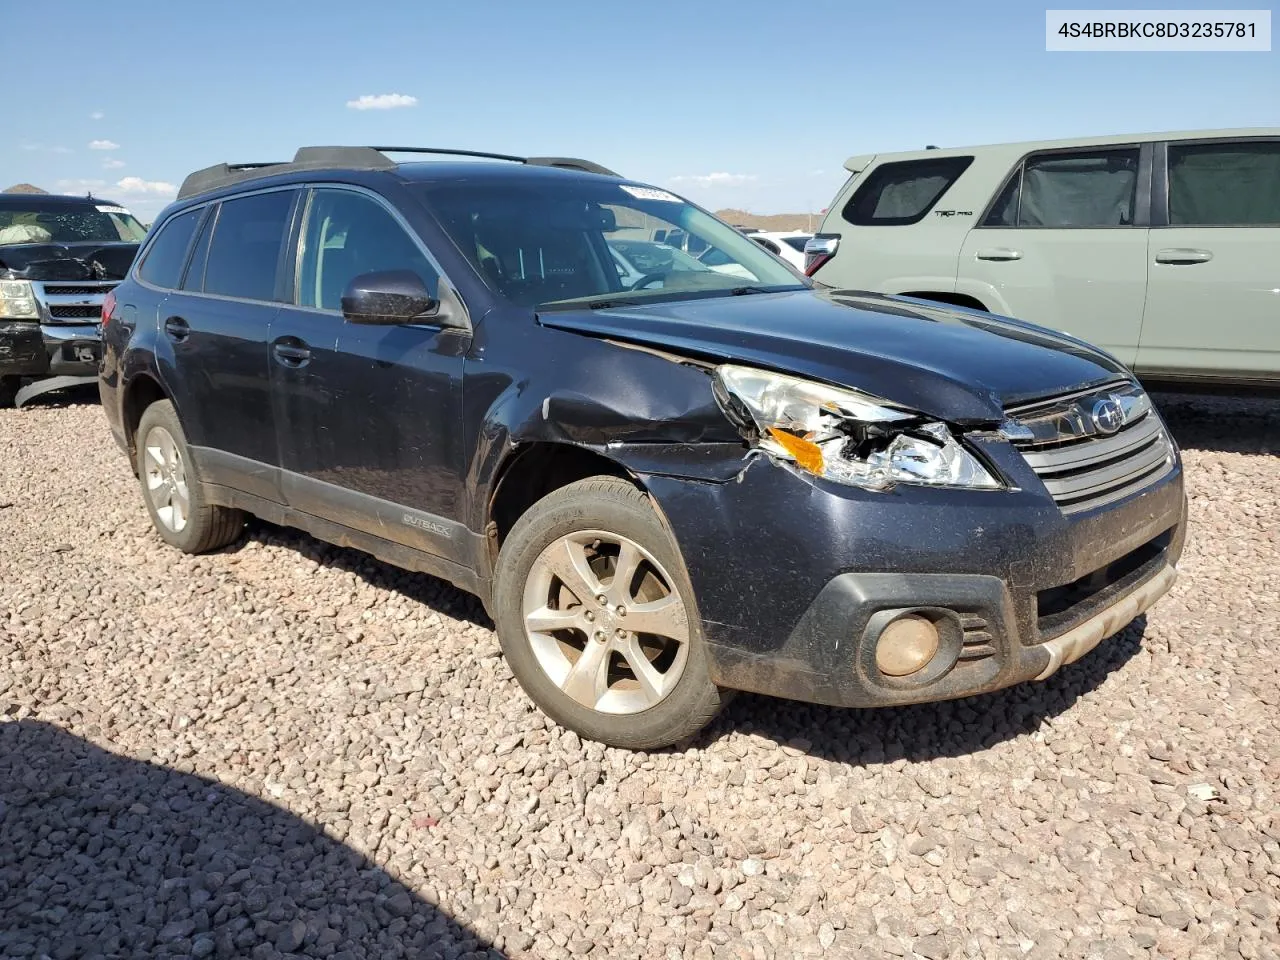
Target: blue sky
column 750, row 103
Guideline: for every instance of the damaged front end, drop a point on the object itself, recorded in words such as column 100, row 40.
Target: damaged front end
column 51, row 297
column 844, row 435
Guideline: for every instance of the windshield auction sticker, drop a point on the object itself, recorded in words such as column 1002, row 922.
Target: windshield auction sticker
column 650, row 193
column 1135, row 31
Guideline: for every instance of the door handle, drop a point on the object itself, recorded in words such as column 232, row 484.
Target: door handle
column 177, row 329
column 291, row 354
column 999, row 253
column 1183, row 255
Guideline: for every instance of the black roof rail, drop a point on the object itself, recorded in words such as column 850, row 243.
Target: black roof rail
column 354, row 158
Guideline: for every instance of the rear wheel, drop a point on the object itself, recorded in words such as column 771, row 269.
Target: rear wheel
column 172, row 489
column 597, row 618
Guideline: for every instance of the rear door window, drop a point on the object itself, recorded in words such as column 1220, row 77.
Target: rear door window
column 1093, row 188
column 896, row 194
column 245, row 252
column 1224, row 184
column 162, row 266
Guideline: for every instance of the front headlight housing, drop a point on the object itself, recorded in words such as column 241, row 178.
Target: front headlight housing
column 845, row 435
column 18, row 300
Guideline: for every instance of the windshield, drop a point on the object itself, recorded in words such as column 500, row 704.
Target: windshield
column 574, row 242
column 37, row 221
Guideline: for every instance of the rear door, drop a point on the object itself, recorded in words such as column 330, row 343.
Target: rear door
column 1064, row 245
column 1213, row 296
column 368, row 417
column 217, row 328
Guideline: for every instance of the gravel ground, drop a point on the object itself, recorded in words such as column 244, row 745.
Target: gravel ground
column 290, row 749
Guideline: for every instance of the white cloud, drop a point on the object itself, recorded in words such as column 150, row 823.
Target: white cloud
column 138, row 186
column 111, row 163
column 103, row 145
column 97, row 115
column 715, row 179
column 41, row 148
column 382, row 101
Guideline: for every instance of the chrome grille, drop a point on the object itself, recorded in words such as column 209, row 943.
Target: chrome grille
column 73, row 301
column 1094, row 448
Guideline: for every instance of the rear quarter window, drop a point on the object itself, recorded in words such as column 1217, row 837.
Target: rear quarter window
column 903, row 192
column 163, row 264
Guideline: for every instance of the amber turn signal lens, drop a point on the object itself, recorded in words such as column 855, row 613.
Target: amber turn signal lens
column 807, row 453
column 906, row 646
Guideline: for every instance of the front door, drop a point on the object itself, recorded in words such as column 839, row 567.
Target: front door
column 1065, row 246
column 1213, row 294
column 368, row 418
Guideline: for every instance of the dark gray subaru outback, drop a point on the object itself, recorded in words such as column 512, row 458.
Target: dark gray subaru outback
column 664, row 483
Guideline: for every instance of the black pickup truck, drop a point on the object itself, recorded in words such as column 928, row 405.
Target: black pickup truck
column 59, row 257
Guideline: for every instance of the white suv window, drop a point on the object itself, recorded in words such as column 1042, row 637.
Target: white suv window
column 1094, row 188
column 1224, row 184
column 901, row 193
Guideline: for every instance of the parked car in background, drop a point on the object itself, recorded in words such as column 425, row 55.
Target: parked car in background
column 649, row 261
column 1161, row 248
column 59, row 257
column 789, row 245
column 659, row 491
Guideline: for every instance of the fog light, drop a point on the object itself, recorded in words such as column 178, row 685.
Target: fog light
column 906, row 646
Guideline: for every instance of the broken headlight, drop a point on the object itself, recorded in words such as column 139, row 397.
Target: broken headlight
column 843, row 435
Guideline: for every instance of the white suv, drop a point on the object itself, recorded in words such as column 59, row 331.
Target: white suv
column 1164, row 249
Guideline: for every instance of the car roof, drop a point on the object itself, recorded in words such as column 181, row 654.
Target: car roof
column 56, row 199
column 859, row 162
column 357, row 161
column 490, row 172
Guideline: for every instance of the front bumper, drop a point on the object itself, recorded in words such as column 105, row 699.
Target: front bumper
column 29, row 349
column 795, row 578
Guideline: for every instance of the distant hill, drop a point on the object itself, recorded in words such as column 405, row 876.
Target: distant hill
column 772, row 221
column 25, row 188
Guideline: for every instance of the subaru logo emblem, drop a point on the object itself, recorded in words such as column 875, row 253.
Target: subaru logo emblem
column 1107, row 415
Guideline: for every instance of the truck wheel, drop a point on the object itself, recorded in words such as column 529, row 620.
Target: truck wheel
column 597, row 618
column 172, row 488
column 8, row 390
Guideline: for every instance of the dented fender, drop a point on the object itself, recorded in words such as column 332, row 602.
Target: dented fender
column 651, row 412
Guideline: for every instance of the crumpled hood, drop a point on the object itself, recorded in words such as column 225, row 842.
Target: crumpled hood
column 85, row 260
column 954, row 364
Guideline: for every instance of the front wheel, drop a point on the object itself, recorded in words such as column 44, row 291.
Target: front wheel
column 597, row 618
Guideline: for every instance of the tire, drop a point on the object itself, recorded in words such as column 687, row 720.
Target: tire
column 165, row 470
column 672, row 696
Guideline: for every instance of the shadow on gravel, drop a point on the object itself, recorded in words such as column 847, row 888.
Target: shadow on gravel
column 104, row 856
column 440, row 595
column 924, row 732
column 1222, row 424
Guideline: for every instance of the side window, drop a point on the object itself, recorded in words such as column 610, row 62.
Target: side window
column 1095, row 188
column 245, row 251
column 347, row 234
column 896, row 194
column 1004, row 212
column 1225, row 184
column 163, row 263
column 194, row 280
column 767, row 244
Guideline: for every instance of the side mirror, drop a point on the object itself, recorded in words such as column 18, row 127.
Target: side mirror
column 388, row 297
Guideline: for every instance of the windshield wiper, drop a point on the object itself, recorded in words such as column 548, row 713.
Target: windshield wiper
column 745, row 291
